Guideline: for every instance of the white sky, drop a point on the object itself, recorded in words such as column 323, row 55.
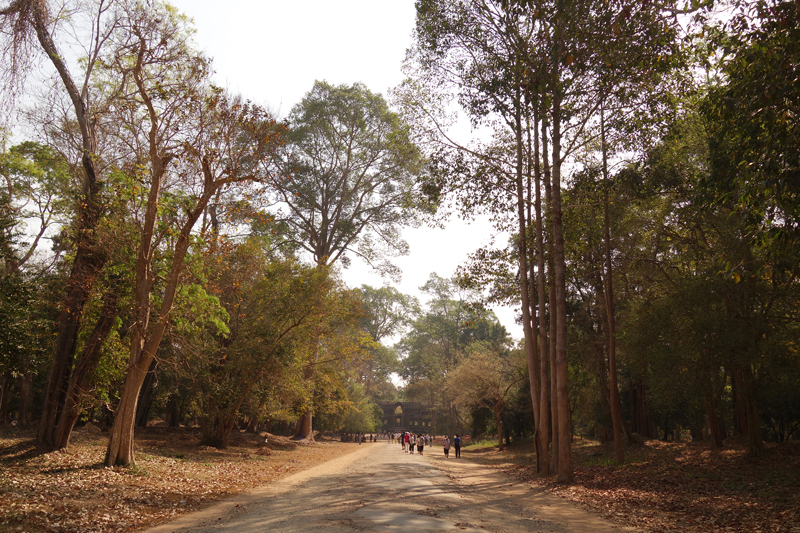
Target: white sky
column 272, row 51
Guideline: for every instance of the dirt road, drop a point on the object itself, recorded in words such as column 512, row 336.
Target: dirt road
column 380, row 488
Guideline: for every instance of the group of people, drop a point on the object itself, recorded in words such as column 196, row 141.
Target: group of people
column 408, row 441
column 456, row 444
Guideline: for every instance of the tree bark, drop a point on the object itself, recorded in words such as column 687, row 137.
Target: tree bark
column 26, row 397
column 498, row 411
column 89, row 258
column 565, row 468
column 544, row 356
column 755, row 443
column 527, row 327
column 305, row 429
column 711, row 417
column 86, row 365
column 616, row 409
column 5, row 395
column 551, row 296
column 146, row 396
column 739, row 403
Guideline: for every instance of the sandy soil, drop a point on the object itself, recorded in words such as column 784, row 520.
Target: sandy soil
column 380, row 488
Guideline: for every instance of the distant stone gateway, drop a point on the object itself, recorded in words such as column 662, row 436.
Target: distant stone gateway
column 407, row 416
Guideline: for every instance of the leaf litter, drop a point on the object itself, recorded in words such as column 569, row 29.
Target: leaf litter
column 673, row 487
column 71, row 491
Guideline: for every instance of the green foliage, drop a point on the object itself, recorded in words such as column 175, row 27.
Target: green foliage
column 753, row 127
column 348, row 185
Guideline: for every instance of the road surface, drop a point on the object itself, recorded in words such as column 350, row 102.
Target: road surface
column 380, row 488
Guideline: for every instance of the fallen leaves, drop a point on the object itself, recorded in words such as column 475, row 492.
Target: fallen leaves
column 71, row 491
column 678, row 487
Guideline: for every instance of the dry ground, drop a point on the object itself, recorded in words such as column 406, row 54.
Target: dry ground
column 673, row 487
column 71, row 491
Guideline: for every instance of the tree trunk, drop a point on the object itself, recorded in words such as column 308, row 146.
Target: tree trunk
column 543, row 430
column 86, row 365
column 640, row 418
column 605, row 399
column 173, row 413
column 498, row 411
column 144, row 346
column 711, row 419
column 755, row 443
column 527, row 327
column 120, row 444
column 304, row 427
column 146, row 396
column 89, row 258
column 551, row 287
column 5, row 395
column 739, row 402
column 26, row 398
column 616, row 409
column 565, row 468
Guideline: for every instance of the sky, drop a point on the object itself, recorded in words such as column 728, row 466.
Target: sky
column 272, row 51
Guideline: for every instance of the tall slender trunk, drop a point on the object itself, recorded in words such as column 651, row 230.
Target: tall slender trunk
column 640, row 417
column 145, row 340
column 5, row 396
column 87, row 363
column 711, row 414
column 755, row 442
column 89, row 258
column 527, row 327
column 739, row 403
column 616, row 410
column 544, row 402
column 498, row 411
column 553, row 325
column 26, row 396
column 565, row 468
column 146, row 396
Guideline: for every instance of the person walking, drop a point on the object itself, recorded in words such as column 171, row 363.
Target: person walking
column 446, row 446
column 420, row 443
column 457, row 446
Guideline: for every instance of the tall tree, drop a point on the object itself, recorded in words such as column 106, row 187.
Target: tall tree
column 348, row 185
column 197, row 140
column 21, row 20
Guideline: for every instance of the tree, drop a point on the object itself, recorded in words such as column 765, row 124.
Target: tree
column 436, row 343
column 753, row 138
column 209, row 140
column 20, row 19
column 348, row 185
column 486, row 376
column 386, row 313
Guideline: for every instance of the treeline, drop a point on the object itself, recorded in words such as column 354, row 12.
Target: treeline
column 195, row 236
column 644, row 155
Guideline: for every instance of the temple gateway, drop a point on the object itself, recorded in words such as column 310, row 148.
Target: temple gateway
column 407, row 416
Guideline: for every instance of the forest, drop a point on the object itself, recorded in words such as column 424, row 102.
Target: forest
column 172, row 251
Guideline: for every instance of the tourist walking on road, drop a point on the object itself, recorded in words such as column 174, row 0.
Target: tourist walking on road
column 420, row 443
column 457, row 446
column 446, row 445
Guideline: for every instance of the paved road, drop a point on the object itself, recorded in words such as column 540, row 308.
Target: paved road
column 380, row 488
